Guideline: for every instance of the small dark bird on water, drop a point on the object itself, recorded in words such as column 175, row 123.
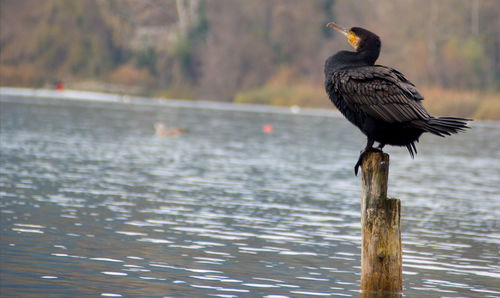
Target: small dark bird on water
column 378, row 99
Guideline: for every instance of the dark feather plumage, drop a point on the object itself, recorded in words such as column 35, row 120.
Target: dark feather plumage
column 380, row 100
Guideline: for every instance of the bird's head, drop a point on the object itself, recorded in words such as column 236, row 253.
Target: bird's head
column 358, row 37
column 362, row 40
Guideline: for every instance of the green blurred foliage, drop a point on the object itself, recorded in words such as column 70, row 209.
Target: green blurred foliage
column 222, row 49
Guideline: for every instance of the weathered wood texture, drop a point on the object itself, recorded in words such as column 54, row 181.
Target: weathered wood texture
column 381, row 257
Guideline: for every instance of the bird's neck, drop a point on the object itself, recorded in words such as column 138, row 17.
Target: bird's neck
column 369, row 56
column 342, row 60
column 345, row 59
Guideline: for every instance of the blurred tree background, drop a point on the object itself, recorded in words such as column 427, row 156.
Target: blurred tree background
column 259, row 51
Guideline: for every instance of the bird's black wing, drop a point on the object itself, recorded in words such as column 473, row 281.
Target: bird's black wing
column 381, row 92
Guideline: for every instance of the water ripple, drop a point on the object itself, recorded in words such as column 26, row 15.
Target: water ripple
column 89, row 194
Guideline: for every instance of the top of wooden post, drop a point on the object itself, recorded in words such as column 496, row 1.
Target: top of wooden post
column 374, row 178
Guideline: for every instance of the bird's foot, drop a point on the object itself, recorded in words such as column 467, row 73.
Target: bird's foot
column 362, row 155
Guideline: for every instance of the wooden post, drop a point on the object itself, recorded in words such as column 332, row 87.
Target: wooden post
column 381, row 257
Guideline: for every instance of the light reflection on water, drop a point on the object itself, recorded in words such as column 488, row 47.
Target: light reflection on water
column 93, row 203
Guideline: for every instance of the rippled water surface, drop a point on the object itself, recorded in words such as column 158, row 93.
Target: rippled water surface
column 92, row 203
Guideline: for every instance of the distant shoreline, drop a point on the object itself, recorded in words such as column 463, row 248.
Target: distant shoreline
column 439, row 102
column 10, row 94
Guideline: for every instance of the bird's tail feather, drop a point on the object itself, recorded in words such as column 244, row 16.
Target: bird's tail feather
column 445, row 126
column 412, row 149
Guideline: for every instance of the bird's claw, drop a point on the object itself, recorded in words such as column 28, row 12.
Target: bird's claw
column 356, row 167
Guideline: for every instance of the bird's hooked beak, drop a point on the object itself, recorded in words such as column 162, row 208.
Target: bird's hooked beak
column 351, row 36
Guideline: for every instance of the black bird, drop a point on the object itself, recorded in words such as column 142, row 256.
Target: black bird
column 378, row 99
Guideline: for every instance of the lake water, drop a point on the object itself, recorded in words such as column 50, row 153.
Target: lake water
column 92, row 203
